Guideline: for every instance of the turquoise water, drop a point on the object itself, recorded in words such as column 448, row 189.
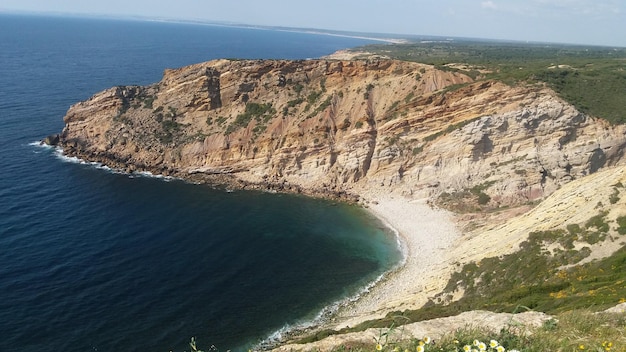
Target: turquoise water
column 94, row 260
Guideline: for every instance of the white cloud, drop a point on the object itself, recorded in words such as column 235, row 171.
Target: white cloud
column 598, row 8
column 488, row 5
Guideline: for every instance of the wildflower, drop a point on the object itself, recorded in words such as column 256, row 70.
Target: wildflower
column 456, row 342
column 476, row 343
column 421, row 343
column 581, row 347
column 482, row 346
column 493, row 343
column 500, row 349
column 419, row 348
column 427, row 340
column 379, row 347
column 467, row 348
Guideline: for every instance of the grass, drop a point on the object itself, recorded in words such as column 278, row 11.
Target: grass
column 579, row 330
column 542, row 276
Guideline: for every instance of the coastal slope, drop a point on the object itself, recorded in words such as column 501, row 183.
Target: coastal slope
column 331, row 127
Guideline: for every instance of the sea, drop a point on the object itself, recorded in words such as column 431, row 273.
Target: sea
column 93, row 259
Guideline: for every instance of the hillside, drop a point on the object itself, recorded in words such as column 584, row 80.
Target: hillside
column 330, row 127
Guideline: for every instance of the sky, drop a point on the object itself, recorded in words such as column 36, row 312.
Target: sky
column 595, row 22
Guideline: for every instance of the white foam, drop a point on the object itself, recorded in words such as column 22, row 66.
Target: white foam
column 327, row 312
column 58, row 152
column 151, row 175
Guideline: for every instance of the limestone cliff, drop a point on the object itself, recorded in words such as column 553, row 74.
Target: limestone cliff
column 330, row 126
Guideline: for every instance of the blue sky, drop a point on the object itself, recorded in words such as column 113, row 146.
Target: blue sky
column 598, row 22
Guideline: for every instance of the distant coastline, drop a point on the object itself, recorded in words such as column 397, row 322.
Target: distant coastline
column 378, row 37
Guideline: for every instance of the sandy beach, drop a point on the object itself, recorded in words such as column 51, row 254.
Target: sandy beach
column 427, row 235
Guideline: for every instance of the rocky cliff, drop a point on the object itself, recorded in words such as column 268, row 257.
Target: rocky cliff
column 335, row 127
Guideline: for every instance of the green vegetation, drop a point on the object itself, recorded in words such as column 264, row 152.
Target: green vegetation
column 449, row 129
column 483, row 198
column 220, row 120
column 542, row 276
column 368, row 89
column 392, row 112
column 298, row 88
column 591, row 78
column 321, row 107
column 579, row 330
column 261, row 113
column 170, row 129
column 147, row 102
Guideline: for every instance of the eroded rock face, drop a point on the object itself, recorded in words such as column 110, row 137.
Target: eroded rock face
column 338, row 126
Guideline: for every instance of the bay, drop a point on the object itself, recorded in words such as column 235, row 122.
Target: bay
column 92, row 259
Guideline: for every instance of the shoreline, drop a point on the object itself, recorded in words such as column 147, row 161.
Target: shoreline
column 426, row 235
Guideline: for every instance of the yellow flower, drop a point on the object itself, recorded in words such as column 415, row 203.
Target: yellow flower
column 427, row 340
column 581, row 347
column 379, row 347
column 421, row 343
column 420, row 348
column 467, row 348
column 500, row 349
column 482, row 346
column 493, row 343
column 456, row 342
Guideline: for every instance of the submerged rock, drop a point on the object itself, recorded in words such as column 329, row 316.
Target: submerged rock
column 52, row 139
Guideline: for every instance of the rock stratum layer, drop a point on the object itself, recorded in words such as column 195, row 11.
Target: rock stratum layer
column 334, row 127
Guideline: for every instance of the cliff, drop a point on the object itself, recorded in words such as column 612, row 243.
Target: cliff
column 336, row 127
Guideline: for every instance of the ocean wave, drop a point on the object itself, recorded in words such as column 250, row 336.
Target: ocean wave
column 58, row 153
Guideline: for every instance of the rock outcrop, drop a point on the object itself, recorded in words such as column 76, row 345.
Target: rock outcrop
column 334, row 127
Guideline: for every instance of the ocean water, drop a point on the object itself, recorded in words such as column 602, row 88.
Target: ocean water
column 96, row 260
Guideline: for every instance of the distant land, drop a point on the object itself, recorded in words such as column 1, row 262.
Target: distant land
column 392, row 38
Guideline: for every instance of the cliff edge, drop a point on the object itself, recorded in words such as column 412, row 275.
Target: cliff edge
column 334, row 127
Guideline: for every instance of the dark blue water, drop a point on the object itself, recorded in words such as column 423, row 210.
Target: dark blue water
column 96, row 260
